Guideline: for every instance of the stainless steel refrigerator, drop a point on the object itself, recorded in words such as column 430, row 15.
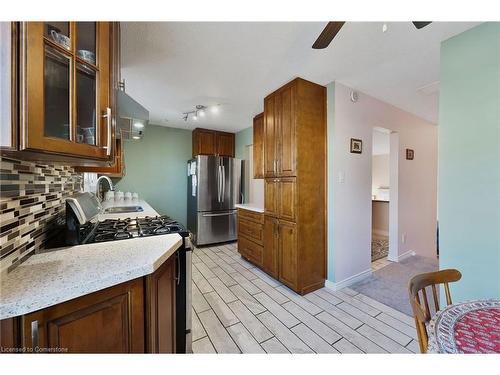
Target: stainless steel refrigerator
column 214, row 188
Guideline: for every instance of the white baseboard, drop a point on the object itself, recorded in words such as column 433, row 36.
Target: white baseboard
column 349, row 281
column 380, row 232
column 409, row 253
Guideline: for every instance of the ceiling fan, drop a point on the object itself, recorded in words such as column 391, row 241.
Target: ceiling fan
column 332, row 28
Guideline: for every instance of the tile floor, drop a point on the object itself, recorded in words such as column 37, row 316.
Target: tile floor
column 237, row 308
column 380, row 263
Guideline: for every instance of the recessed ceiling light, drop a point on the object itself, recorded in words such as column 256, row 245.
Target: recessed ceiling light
column 136, row 137
column 215, row 109
column 201, row 113
column 195, row 117
column 139, row 125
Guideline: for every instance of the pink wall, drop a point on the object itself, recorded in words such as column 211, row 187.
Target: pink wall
column 350, row 233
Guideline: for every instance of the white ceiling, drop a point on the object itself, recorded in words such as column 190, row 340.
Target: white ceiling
column 170, row 67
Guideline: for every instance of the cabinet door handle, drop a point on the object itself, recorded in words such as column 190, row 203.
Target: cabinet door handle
column 107, row 116
column 34, row 333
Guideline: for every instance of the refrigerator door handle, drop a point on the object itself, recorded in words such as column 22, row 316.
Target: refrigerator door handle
column 220, row 214
column 218, row 183
column 223, row 183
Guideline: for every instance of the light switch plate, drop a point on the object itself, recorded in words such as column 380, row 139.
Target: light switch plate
column 341, row 177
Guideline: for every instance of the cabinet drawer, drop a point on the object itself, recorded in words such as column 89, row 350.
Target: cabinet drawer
column 251, row 215
column 251, row 230
column 250, row 250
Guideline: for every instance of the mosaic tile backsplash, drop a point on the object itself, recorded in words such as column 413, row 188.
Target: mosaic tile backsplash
column 32, row 201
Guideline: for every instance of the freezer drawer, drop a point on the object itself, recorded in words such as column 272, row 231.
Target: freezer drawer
column 217, row 226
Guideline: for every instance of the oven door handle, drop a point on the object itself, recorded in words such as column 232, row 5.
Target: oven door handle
column 220, row 214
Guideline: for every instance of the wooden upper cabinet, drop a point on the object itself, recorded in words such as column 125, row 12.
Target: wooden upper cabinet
column 286, row 135
column 280, row 133
column 224, row 144
column 66, row 89
column 258, row 146
column 211, row 142
column 271, row 122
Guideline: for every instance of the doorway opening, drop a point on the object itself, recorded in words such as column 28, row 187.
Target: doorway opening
column 385, row 145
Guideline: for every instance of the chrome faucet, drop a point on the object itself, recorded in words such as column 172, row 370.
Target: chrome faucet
column 110, row 183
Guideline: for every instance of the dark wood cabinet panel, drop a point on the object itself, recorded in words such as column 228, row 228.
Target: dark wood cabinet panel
column 287, row 198
column 288, row 272
column 270, row 254
column 250, row 235
column 224, row 144
column 251, row 230
column 160, row 318
column 203, row 142
column 258, row 146
column 270, row 136
column 211, row 142
column 271, row 196
column 108, row 321
column 286, row 158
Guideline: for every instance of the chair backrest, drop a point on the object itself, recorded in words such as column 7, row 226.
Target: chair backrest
column 417, row 291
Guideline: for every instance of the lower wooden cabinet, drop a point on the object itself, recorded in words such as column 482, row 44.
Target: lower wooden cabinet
column 107, row 321
column 137, row 316
column 250, row 236
column 271, row 245
column 287, row 254
column 160, row 308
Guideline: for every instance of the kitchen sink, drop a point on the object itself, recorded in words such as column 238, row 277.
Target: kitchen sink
column 123, row 209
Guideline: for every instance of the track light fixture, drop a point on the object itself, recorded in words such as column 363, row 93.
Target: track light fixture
column 199, row 111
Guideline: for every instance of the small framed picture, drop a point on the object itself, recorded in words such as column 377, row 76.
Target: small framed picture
column 410, row 154
column 356, row 146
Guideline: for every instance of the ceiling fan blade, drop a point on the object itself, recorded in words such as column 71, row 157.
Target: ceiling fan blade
column 327, row 35
column 421, row 24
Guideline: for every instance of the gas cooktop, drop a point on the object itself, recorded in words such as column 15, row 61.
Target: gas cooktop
column 120, row 229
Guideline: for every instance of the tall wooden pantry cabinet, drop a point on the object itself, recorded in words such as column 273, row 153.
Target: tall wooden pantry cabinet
column 295, row 185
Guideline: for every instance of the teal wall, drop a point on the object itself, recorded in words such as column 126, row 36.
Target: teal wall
column 469, row 161
column 243, row 138
column 156, row 169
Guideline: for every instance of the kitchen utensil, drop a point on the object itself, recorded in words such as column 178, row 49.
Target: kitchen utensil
column 88, row 56
column 61, row 39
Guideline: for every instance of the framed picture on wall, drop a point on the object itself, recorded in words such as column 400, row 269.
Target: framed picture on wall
column 356, row 146
column 410, row 154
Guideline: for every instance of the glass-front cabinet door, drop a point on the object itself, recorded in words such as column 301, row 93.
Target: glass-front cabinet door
column 66, row 96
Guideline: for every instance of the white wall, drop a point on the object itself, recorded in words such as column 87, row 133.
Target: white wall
column 349, row 215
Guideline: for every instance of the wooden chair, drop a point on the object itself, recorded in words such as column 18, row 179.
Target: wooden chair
column 417, row 291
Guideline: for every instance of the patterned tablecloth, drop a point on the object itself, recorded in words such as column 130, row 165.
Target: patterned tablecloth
column 468, row 327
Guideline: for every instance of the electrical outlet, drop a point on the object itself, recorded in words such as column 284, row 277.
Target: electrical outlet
column 403, row 238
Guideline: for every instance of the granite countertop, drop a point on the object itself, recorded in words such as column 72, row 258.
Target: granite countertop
column 251, row 207
column 380, row 200
column 58, row 275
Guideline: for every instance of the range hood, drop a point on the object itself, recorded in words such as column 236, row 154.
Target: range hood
column 132, row 117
